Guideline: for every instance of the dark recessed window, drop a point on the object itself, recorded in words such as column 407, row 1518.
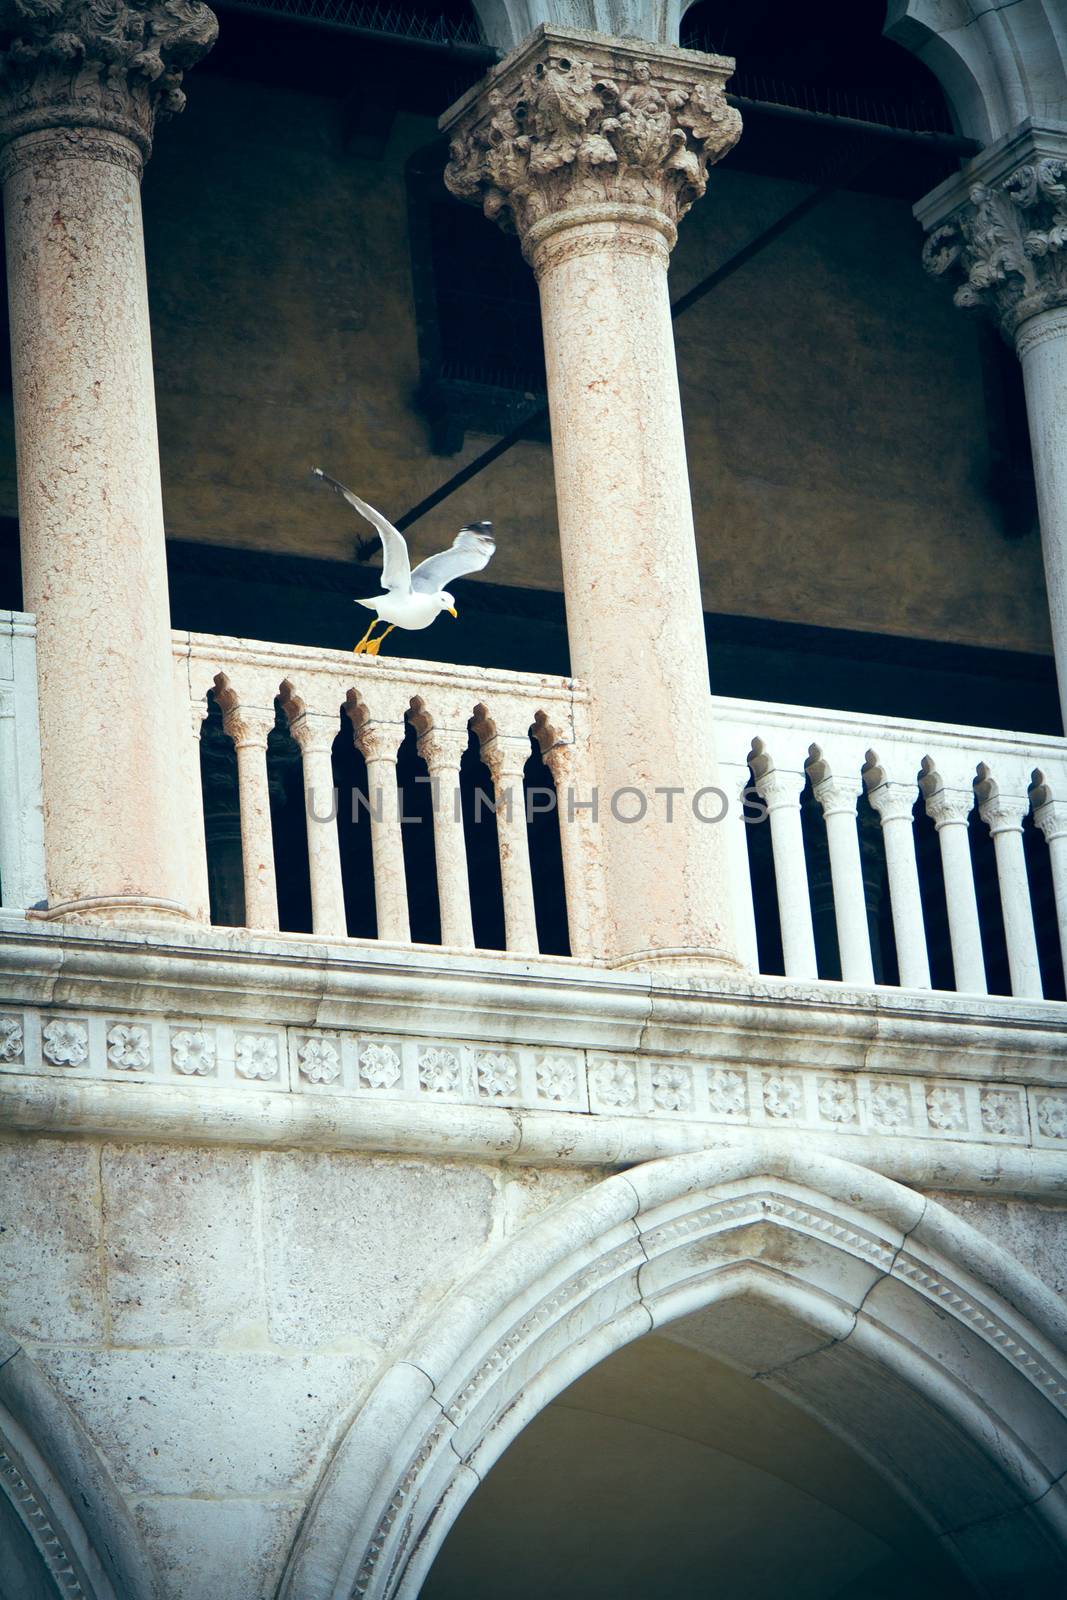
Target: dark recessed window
column 479, row 322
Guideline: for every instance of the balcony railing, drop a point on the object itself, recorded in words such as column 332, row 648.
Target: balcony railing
column 407, row 802
column 489, row 750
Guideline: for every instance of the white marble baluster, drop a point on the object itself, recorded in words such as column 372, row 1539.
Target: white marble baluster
column 949, row 810
column 249, row 728
column 582, row 871
column 780, row 793
column 895, row 805
column 506, row 759
column 442, row 752
column 736, row 779
column 838, row 801
column 1003, row 816
column 1051, row 818
column 379, row 742
column 196, row 839
column 315, row 736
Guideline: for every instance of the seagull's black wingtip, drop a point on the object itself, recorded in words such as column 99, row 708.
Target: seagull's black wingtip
column 477, row 527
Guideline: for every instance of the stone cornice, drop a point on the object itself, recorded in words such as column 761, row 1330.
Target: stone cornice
column 114, row 68
column 998, row 231
column 573, row 124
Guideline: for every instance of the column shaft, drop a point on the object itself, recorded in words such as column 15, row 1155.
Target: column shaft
column 387, row 843
column 443, row 757
column 634, row 613
column 894, row 804
column 91, row 517
column 324, row 858
column 780, row 792
column 1042, row 345
column 950, row 814
column 516, row 879
column 257, row 838
column 846, row 872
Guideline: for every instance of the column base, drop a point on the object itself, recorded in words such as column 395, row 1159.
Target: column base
column 681, row 960
column 133, row 909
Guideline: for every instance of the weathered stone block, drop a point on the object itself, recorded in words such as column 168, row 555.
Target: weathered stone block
column 218, row 1549
column 175, row 1422
column 353, row 1246
column 181, row 1246
column 50, row 1276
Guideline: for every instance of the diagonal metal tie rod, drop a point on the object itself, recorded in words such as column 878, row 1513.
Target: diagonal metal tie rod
column 534, row 417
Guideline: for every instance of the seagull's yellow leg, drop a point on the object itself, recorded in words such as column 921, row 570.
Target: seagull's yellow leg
column 363, row 647
column 376, row 644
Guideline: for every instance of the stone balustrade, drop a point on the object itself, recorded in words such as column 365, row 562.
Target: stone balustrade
column 871, row 850
column 933, row 855
column 328, row 700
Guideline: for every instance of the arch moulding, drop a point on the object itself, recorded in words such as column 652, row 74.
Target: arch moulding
column 900, row 1327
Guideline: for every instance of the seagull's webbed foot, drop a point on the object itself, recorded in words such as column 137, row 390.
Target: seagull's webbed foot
column 364, row 646
column 374, row 645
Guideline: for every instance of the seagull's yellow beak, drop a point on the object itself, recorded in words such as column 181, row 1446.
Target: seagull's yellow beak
column 453, row 612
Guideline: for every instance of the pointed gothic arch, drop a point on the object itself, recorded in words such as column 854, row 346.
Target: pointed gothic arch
column 65, row 1530
column 912, row 1336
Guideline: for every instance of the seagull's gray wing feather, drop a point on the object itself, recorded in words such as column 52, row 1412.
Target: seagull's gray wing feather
column 396, row 567
column 471, row 551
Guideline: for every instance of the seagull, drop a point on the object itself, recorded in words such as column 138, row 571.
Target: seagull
column 413, row 599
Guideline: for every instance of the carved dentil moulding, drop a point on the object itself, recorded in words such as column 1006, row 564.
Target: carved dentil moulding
column 1005, row 246
column 572, row 123
column 116, row 65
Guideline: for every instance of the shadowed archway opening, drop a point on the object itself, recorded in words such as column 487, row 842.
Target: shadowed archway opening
column 665, row 1471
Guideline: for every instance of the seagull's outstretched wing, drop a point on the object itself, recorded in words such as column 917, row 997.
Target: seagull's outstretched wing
column 396, row 568
column 471, row 550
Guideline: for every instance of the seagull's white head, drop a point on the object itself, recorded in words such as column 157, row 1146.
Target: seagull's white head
column 447, row 603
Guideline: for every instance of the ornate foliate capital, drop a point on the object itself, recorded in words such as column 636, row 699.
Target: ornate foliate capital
column 114, row 65
column 572, row 120
column 1002, row 242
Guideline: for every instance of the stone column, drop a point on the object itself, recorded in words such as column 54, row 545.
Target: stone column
column 1051, row 817
column 80, row 91
column 250, row 728
column 999, row 233
column 506, row 759
column 442, row 752
column 315, row 736
column 380, row 742
column 838, row 801
column 593, row 149
column 895, row 806
column 949, row 810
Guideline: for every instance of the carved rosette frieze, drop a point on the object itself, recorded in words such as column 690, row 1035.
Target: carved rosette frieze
column 572, row 126
column 114, row 66
column 1005, row 248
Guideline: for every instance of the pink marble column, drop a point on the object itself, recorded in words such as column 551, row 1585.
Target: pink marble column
column 593, row 149
column 81, row 89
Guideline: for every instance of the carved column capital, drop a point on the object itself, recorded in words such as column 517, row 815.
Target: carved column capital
column 443, row 749
column 68, row 67
column 836, row 796
column 379, row 741
column 572, row 127
column 949, row 807
column 506, row 758
column 315, row 735
column 1051, row 818
column 998, row 233
column 894, row 802
column 779, row 790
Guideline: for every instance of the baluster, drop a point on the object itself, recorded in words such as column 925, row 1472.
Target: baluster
column 1003, row 816
column 249, row 728
column 506, row 759
column 582, row 873
column 838, row 802
column 780, row 793
column 949, row 810
column 442, row 752
column 379, row 742
column 1051, row 817
column 895, row 805
column 315, row 735
column 736, row 780
column 196, row 829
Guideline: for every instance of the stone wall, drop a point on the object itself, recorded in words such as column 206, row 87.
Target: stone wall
column 215, row 1317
